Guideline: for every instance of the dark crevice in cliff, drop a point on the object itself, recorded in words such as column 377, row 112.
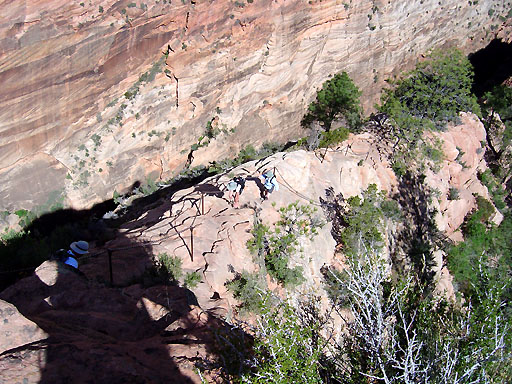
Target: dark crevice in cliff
column 492, row 65
column 186, row 21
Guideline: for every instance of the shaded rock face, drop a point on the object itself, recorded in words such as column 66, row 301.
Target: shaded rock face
column 82, row 331
column 106, row 93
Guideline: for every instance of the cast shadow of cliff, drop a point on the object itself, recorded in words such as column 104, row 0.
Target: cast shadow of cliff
column 55, row 230
column 48, row 233
column 492, row 65
column 137, row 330
column 95, row 332
column 122, row 326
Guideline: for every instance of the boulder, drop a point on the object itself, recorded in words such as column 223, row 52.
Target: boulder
column 16, row 330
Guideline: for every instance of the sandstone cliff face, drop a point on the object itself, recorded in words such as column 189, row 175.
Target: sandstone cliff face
column 99, row 94
column 158, row 333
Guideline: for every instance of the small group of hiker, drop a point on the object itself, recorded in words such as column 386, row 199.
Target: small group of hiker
column 236, row 186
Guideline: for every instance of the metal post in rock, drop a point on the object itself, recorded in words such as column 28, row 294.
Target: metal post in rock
column 110, row 265
column 192, row 243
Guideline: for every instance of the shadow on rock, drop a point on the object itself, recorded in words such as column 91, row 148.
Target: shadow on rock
column 114, row 322
column 419, row 239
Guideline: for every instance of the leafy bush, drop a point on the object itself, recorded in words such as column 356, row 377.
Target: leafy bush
column 277, row 245
column 499, row 101
column 333, row 137
column 339, row 96
column 364, row 221
column 427, row 98
column 149, row 187
column 168, row 267
column 433, row 93
column 453, row 194
column 495, row 188
column 485, row 245
column 192, row 279
column 286, row 348
column 248, row 289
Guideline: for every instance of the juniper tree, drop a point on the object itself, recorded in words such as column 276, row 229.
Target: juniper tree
column 339, row 96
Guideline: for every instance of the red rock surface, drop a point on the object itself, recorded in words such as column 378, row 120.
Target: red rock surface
column 65, row 67
column 60, row 323
column 81, row 331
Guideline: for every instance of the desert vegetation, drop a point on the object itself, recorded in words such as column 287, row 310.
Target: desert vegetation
column 395, row 328
column 385, row 321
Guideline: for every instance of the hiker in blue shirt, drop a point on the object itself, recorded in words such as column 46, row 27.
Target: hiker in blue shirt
column 77, row 248
column 269, row 184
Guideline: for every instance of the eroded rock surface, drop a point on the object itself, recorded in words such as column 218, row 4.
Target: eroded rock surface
column 117, row 91
column 152, row 332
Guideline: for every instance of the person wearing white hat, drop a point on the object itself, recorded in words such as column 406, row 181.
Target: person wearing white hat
column 234, row 193
column 76, row 248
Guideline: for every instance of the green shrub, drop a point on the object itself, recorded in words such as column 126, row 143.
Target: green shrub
column 277, row 245
column 26, row 217
column 427, row 98
column 287, row 349
column 149, row 187
column 484, row 211
column 168, row 267
column 433, row 93
column 210, row 131
column 192, row 279
column 339, row 96
column 453, row 194
column 96, row 140
column 333, row 137
column 249, row 290
column 495, row 188
column 485, row 245
column 365, row 221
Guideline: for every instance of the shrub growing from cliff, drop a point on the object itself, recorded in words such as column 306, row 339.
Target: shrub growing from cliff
column 485, row 246
column 397, row 332
column 432, row 94
column 338, row 97
column 498, row 102
column 168, row 267
column 277, row 245
column 286, row 348
column 428, row 98
column 248, row 289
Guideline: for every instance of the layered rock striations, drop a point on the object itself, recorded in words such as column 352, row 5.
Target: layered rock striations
column 100, row 94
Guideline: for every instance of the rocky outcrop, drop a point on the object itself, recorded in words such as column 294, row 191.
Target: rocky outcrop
column 80, row 327
column 61, row 322
column 16, row 330
column 214, row 243
column 110, row 92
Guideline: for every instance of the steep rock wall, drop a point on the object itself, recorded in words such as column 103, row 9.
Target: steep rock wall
column 111, row 91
